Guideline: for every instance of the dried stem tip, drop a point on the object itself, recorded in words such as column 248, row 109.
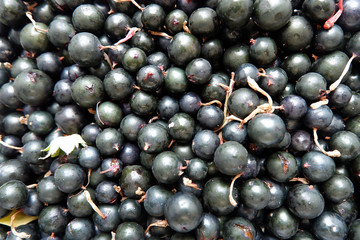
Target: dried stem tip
column 231, row 198
column 13, row 230
column 162, row 223
column 92, row 204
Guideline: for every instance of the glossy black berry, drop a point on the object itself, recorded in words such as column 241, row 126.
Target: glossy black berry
column 183, row 48
column 153, row 17
column 153, row 138
column 12, row 12
column 282, row 223
column 295, row 65
column 13, row 194
column 78, row 205
column 254, row 193
column 166, row 167
column 69, row 177
column 216, row 196
column 329, row 226
column 317, row 167
column 181, row 127
column 156, row 198
column 33, row 87
column 111, row 220
column 210, row 117
column 109, row 141
column 84, row 49
column 203, row 22
column 205, row 143
column 243, row 101
column 87, row 91
column 263, row 50
column 118, row 84
column 208, row 227
column 134, row 59
column 149, row 78
column 108, row 114
column 281, row 166
column 266, row 130
column 48, row 192
column 238, row 228
column 130, row 210
column 33, row 40
column 318, row 11
column 231, row 158
column 40, row 122
column 129, row 231
column 132, row 178
column 88, row 18
column 305, row 201
column 80, row 228
column 329, row 40
column 53, row 219
column 130, row 126
column 233, row 131
column 297, row 34
column 272, row 15
column 310, row 86
column 143, row 103
column 174, row 20
column 347, row 143
column 70, row 119
column 318, row 118
column 60, row 32
column 338, row 188
column 197, row 169
column 183, row 212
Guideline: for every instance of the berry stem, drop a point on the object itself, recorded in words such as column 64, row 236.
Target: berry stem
column 298, row 179
column 89, row 176
column 92, row 204
column 30, row 17
column 318, row 104
column 13, row 230
column 107, row 59
column 212, row 102
column 153, row 119
column 253, row 84
column 24, row 119
column 188, row 182
column 19, row 149
column 113, row 235
column 171, row 143
column 257, row 110
column 97, row 113
column 335, row 84
column 131, row 32
column 246, row 229
column 186, row 28
column 334, row 153
column 6, row 64
column 231, row 198
column 31, row 186
column 331, row 21
column 133, row 2
column 30, row 7
column 162, row 223
column 161, row 34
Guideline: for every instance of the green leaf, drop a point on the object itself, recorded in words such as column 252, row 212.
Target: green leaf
column 67, row 144
column 21, row 219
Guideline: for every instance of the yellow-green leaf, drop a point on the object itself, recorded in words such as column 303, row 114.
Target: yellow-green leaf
column 20, row 219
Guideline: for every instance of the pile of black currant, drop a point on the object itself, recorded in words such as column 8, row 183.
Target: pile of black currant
column 179, row 119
